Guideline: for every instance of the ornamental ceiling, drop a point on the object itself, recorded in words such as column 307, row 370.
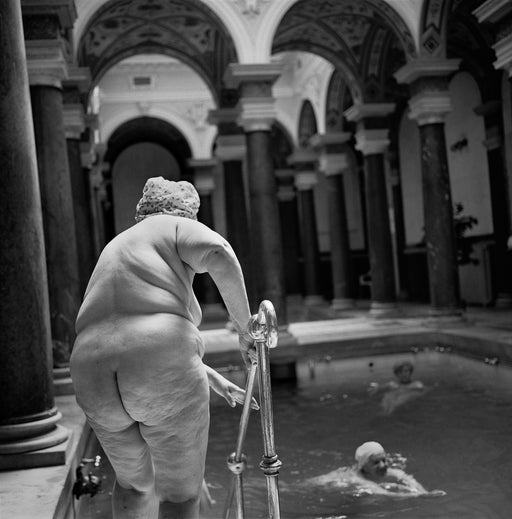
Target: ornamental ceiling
column 184, row 29
column 363, row 39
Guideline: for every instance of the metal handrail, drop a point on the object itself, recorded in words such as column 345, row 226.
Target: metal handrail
column 263, row 330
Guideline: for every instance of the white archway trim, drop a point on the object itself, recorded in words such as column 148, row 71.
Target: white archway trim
column 200, row 142
column 410, row 12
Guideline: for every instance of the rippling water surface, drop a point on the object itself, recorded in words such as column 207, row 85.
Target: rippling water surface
column 457, row 437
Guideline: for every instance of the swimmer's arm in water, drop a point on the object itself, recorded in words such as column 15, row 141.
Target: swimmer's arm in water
column 227, row 390
column 406, row 480
column 375, row 387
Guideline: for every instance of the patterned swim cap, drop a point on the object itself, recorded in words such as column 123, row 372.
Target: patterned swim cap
column 161, row 196
column 365, row 451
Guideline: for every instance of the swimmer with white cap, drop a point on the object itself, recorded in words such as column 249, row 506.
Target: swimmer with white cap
column 371, row 474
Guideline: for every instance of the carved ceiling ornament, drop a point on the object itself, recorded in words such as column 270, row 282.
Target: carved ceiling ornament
column 250, row 8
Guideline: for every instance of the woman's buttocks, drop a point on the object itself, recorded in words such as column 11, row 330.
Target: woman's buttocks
column 160, row 371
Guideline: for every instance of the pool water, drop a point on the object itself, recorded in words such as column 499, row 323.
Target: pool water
column 456, row 437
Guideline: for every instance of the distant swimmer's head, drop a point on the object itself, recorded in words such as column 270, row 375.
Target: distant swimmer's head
column 161, row 196
column 403, row 371
column 371, row 460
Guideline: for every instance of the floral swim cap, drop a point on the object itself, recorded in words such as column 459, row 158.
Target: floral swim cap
column 161, row 196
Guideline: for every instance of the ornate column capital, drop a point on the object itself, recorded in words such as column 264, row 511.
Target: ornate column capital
column 254, row 81
column 303, row 159
column 493, row 10
column 46, row 62
column 430, row 107
column 222, row 116
column 333, row 163
column 503, row 50
column 204, row 181
column 305, row 180
column 230, row 147
column 326, row 140
column 361, row 111
column 419, row 69
column 79, row 78
column 285, row 193
column 239, row 74
column 256, row 113
column 331, row 147
column 428, row 80
column 372, row 142
column 74, row 120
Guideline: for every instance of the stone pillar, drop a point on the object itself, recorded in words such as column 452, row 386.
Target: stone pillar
column 304, row 162
column 498, row 14
column 47, row 68
column 332, row 162
column 231, row 151
column 212, row 307
column 429, row 104
column 502, row 274
column 288, row 214
column 75, row 125
column 28, row 416
column 372, row 141
column 257, row 113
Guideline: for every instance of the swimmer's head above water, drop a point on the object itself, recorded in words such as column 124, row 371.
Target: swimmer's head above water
column 371, row 460
column 403, row 371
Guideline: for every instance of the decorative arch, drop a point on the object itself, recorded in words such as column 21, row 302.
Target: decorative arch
column 199, row 149
column 402, row 14
column 149, row 129
column 185, row 29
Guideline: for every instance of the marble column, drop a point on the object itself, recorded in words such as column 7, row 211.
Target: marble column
column 75, row 125
column 28, row 416
column 502, row 274
column 231, row 151
column 257, row 114
column 428, row 106
column 304, row 162
column 333, row 161
column 47, row 68
column 288, row 214
column 498, row 14
column 204, row 182
column 373, row 142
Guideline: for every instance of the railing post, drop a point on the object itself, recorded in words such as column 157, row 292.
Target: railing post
column 263, row 329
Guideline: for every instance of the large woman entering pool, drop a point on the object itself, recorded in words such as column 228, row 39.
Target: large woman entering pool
column 137, row 361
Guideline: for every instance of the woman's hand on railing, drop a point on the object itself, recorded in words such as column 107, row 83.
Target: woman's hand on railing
column 227, row 390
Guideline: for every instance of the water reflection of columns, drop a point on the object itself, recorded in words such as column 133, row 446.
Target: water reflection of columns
column 47, row 68
column 306, row 179
column 372, row 143
column 204, row 182
column 257, row 113
column 428, row 107
column 28, row 416
column 332, row 162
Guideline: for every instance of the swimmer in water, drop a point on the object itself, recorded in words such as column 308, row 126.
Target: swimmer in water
column 372, row 474
column 399, row 391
